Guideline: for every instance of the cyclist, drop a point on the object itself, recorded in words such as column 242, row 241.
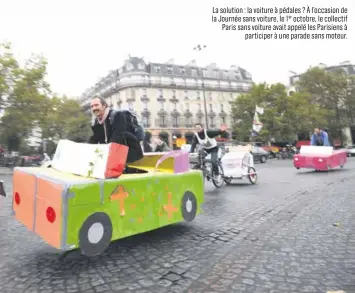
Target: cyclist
column 206, row 139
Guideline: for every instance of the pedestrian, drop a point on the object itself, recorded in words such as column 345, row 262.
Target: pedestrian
column 161, row 145
column 147, row 147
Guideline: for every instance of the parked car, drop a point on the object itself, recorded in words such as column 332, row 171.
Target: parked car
column 351, row 150
column 259, row 154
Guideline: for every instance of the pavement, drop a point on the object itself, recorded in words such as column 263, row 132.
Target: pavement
column 5, row 171
column 292, row 232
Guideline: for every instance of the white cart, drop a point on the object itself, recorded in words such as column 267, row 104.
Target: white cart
column 238, row 164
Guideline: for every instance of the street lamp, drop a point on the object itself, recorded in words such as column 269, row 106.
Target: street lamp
column 200, row 48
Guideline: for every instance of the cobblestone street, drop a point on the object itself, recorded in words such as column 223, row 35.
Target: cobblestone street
column 292, row 232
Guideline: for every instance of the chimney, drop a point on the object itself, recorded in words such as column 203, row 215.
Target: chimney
column 192, row 63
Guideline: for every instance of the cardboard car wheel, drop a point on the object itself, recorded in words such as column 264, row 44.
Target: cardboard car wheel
column 188, row 206
column 95, row 234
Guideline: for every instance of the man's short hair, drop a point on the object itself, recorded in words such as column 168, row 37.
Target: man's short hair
column 198, row 124
column 102, row 100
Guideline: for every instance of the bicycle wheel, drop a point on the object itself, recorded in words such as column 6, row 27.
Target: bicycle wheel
column 218, row 180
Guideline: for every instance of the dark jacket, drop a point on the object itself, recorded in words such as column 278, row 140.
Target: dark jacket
column 210, row 134
column 117, row 132
column 162, row 148
column 146, row 147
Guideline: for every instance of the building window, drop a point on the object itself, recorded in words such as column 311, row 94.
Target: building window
column 145, row 121
column 170, row 70
column 182, row 70
column 175, row 122
column 145, row 105
column 212, row 121
column 162, row 121
column 133, row 93
column 187, row 106
column 222, row 109
column 193, row 72
column 198, row 95
column 174, row 93
column 210, row 95
column 237, row 75
column 129, row 66
column 188, row 122
column 160, row 92
column 175, row 106
column 144, row 92
column 216, row 75
column 161, row 105
column 130, row 106
column 231, row 96
column 199, row 107
column 204, row 72
column 141, row 66
column 223, row 120
column 199, row 120
column 211, row 107
column 157, row 68
column 186, row 95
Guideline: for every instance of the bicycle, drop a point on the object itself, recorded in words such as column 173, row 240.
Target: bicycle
column 205, row 165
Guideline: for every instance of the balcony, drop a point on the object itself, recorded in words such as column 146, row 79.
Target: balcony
column 130, row 99
column 187, row 114
column 160, row 98
column 200, row 114
column 223, row 114
column 183, row 86
column 173, row 99
column 175, row 113
column 211, row 114
column 162, row 112
column 144, row 98
column 145, row 113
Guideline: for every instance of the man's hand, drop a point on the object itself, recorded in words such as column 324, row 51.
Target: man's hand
column 224, row 128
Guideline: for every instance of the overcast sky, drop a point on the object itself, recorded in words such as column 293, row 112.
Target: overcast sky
column 83, row 40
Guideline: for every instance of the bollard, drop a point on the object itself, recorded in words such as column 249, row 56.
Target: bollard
column 2, row 188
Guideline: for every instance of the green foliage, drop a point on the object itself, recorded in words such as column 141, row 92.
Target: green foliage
column 334, row 92
column 66, row 120
column 284, row 115
column 26, row 98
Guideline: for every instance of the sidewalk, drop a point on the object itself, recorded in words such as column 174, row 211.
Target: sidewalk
column 5, row 171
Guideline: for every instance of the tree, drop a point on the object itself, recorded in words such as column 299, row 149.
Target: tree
column 329, row 91
column 284, row 115
column 66, row 120
column 349, row 100
column 8, row 72
column 24, row 96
